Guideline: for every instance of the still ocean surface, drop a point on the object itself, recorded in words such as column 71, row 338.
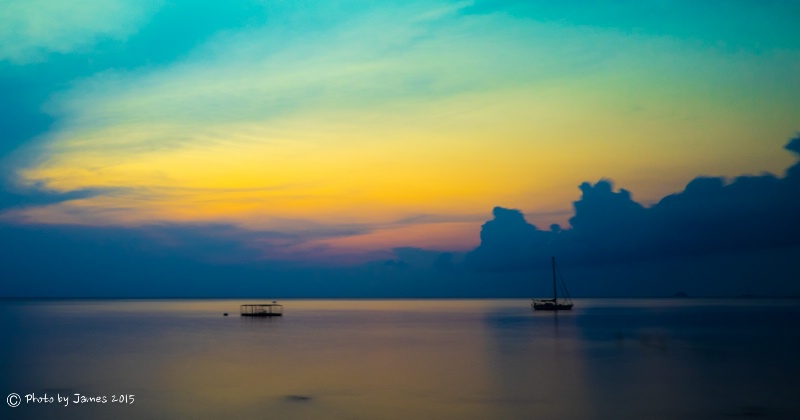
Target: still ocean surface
column 400, row 359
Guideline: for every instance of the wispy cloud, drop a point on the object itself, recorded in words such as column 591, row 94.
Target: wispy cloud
column 31, row 29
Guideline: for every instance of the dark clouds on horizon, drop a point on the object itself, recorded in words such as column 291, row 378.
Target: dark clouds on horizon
column 709, row 217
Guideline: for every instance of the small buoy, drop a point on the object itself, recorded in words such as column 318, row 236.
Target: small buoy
column 225, row 314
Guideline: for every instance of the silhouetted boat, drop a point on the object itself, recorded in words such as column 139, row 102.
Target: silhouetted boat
column 553, row 304
column 266, row 309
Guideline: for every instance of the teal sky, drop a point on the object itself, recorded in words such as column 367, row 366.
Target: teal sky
column 341, row 131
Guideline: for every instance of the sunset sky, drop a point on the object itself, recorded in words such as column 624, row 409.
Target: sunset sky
column 335, row 132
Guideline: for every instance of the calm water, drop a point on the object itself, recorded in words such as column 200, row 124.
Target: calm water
column 461, row 359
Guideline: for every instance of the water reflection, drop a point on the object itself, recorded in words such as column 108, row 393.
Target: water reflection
column 401, row 359
column 536, row 365
column 697, row 360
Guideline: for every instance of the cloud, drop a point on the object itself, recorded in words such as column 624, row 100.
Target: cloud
column 508, row 242
column 208, row 261
column 709, row 216
column 31, row 29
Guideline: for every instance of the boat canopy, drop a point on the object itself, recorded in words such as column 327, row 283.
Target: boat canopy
column 264, row 309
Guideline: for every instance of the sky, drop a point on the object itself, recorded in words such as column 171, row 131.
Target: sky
column 357, row 148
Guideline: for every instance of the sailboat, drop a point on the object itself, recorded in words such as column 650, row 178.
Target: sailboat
column 553, row 304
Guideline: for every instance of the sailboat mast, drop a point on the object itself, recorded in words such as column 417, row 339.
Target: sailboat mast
column 555, row 289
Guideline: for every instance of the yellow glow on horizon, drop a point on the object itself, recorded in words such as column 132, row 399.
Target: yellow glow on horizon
column 367, row 173
column 495, row 148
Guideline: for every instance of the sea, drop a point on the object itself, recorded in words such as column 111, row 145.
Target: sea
column 401, row 359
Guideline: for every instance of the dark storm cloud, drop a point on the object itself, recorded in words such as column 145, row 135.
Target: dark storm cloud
column 709, row 217
column 508, row 243
column 211, row 261
column 80, row 261
column 167, row 260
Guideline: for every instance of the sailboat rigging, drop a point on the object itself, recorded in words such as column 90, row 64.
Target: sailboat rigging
column 553, row 304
